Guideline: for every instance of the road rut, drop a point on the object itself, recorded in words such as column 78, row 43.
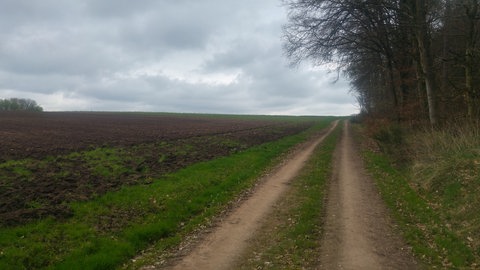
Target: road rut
column 358, row 231
column 225, row 244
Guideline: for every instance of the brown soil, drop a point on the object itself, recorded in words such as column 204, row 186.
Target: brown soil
column 145, row 147
column 36, row 135
column 358, row 231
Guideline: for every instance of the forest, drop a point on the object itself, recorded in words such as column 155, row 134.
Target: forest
column 409, row 61
column 414, row 67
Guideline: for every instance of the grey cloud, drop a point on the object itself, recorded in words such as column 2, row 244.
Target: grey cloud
column 157, row 55
column 118, row 9
column 44, row 84
column 15, row 14
column 161, row 35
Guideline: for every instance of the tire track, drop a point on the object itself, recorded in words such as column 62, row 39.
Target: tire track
column 358, row 231
column 225, row 244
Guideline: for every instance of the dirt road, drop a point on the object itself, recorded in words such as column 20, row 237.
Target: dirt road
column 358, row 231
column 225, row 244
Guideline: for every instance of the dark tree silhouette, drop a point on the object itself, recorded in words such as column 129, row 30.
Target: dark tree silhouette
column 406, row 59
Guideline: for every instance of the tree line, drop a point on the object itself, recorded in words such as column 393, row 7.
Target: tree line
column 406, row 59
column 19, row 104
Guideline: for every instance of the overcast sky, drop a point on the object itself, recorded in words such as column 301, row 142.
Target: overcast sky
column 208, row 56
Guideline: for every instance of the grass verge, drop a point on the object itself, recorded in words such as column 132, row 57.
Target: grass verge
column 290, row 237
column 159, row 212
column 429, row 205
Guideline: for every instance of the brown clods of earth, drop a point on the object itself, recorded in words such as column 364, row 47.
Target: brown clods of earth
column 48, row 160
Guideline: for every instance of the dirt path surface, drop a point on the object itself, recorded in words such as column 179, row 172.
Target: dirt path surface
column 224, row 245
column 358, row 232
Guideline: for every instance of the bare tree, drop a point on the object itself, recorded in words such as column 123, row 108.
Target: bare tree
column 346, row 33
column 393, row 50
column 426, row 58
column 471, row 8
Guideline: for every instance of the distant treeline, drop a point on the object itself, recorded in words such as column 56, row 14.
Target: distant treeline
column 19, row 104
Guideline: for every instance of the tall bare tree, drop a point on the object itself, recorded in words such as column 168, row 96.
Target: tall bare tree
column 471, row 8
column 343, row 32
column 393, row 52
column 426, row 58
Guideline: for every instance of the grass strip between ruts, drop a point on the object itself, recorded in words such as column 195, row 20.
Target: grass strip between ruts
column 290, row 237
column 162, row 211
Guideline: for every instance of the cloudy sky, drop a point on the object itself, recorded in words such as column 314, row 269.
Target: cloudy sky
column 208, row 56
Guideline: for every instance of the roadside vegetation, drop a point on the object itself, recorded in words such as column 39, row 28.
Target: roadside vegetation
column 107, row 230
column 430, row 179
column 290, row 237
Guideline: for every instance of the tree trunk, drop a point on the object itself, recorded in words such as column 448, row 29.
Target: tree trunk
column 393, row 89
column 426, row 59
column 471, row 12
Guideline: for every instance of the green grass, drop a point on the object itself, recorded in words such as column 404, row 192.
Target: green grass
column 290, row 239
column 18, row 168
column 109, row 229
column 433, row 199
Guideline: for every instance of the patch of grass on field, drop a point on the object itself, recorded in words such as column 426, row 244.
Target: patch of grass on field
column 290, row 238
column 159, row 212
column 423, row 215
column 20, row 169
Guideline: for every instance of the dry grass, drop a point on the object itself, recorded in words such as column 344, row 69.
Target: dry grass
column 442, row 156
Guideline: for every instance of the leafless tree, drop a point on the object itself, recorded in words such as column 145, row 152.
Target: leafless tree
column 396, row 53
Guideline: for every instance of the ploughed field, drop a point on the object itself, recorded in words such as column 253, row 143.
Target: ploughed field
column 48, row 160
